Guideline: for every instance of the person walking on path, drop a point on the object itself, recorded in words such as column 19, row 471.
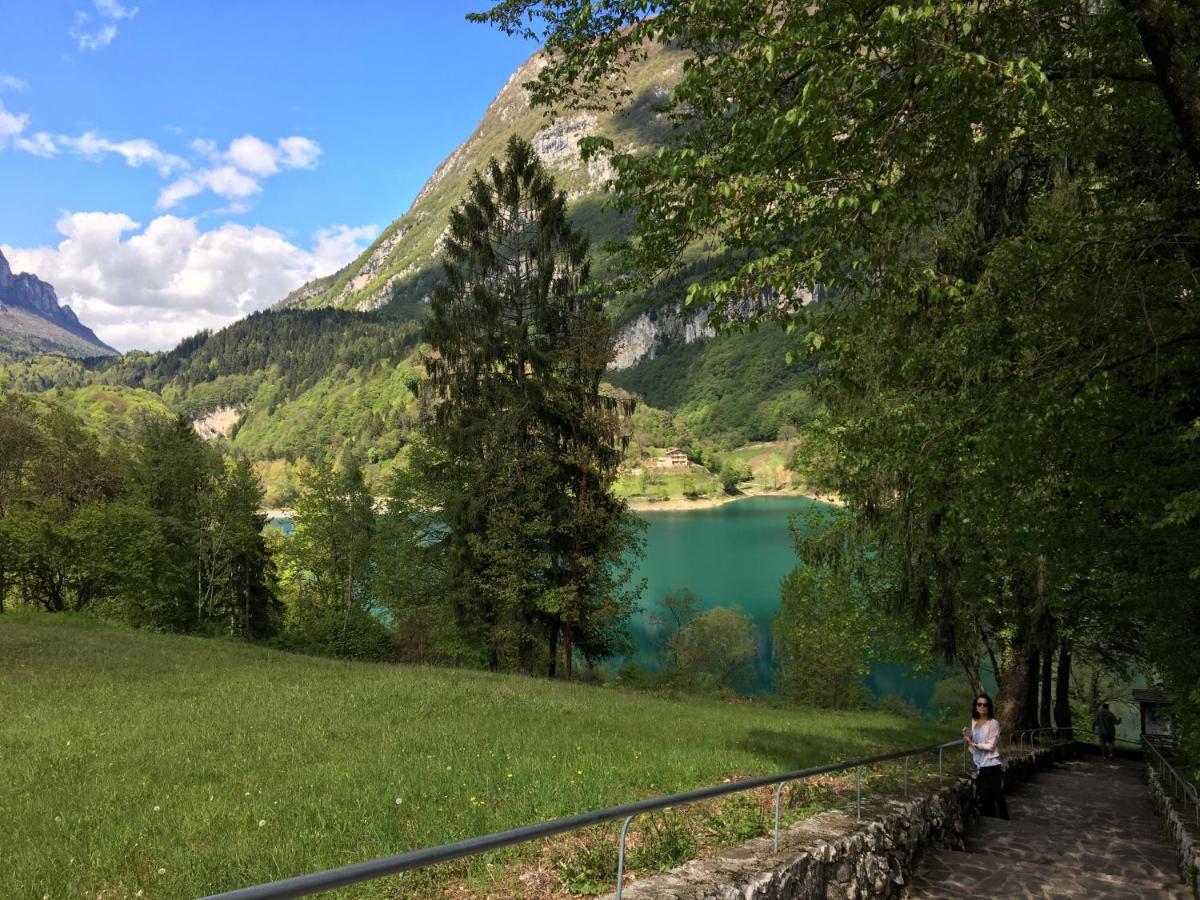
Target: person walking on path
column 1105, row 724
column 983, row 737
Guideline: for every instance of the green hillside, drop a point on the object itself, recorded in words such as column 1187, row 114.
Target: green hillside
column 732, row 390
column 140, row 764
column 333, row 369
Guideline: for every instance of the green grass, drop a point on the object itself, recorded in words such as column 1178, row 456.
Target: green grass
column 178, row 766
column 665, row 484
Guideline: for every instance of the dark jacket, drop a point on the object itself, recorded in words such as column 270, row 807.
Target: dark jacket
column 1106, row 723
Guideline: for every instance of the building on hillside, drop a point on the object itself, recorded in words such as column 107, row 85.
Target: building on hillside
column 1155, row 711
column 672, row 459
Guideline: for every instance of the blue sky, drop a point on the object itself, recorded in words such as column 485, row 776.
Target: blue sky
column 172, row 164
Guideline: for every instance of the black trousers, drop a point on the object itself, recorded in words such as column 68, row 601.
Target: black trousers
column 989, row 788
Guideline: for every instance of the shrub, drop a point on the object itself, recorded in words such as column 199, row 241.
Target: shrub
column 898, row 706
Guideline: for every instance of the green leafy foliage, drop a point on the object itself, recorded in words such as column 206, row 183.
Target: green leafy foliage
column 1006, row 217
column 154, row 531
column 824, row 635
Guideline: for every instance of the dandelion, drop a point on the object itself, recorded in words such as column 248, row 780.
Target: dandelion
column 162, row 871
column 510, row 774
column 247, row 794
column 579, row 771
column 399, row 800
column 262, row 822
column 158, row 809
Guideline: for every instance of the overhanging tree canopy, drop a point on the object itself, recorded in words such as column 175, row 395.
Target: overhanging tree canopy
column 1002, row 199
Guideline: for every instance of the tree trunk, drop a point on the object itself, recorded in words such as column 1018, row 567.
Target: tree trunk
column 568, row 653
column 1044, row 720
column 1014, row 687
column 1062, row 690
column 1174, row 73
column 1029, row 719
column 349, row 600
column 552, row 668
column 970, row 665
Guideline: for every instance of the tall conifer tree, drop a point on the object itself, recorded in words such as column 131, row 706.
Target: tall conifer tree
column 523, row 445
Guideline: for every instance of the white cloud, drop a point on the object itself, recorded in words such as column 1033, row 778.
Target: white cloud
column 336, row 246
column 97, row 38
column 113, row 10
column 136, row 152
column 12, row 83
column 237, row 171
column 299, row 152
column 91, row 39
column 149, row 287
column 250, row 154
column 11, row 124
column 39, row 144
column 229, row 183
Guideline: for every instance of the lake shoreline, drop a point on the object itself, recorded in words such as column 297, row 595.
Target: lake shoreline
column 683, row 504
column 673, row 504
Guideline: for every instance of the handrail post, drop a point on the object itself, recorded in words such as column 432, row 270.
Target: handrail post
column 906, row 778
column 940, row 751
column 858, row 791
column 621, row 856
column 778, row 792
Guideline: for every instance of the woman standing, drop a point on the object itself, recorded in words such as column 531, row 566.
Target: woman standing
column 983, row 737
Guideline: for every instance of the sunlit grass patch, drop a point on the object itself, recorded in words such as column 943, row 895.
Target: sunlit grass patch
column 180, row 766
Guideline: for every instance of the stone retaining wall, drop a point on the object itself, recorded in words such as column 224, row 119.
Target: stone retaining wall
column 1178, row 833
column 834, row 855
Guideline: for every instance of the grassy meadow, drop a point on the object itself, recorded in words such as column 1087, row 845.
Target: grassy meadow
column 143, row 765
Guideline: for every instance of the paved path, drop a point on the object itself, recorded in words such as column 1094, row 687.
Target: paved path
column 1084, row 829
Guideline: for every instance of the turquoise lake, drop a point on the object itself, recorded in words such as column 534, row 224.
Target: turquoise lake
column 735, row 555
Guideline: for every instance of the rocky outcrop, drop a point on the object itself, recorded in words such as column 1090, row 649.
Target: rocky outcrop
column 558, row 143
column 217, row 424
column 647, row 335
column 28, row 293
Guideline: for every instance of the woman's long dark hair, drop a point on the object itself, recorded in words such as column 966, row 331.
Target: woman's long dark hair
column 990, row 708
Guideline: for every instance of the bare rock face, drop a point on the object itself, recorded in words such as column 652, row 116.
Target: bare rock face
column 29, row 293
column 652, row 332
column 558, row 144
column 218, row 423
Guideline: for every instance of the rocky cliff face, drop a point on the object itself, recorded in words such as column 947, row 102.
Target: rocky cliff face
column 27, row 293
column 649, row 334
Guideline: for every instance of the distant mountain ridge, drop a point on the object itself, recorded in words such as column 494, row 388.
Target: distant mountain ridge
column 402, row 265
column 33, row 321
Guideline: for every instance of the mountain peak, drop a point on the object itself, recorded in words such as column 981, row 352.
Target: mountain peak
column 35, row 319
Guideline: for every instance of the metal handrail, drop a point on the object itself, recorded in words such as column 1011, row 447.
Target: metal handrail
column 315, row 882
column 1188, row 789
column 303, row 885
column 1018, row 737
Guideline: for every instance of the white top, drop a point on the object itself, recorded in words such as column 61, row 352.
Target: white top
column 987, row 739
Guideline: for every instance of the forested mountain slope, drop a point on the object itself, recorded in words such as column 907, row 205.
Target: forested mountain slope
column 333, row 369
